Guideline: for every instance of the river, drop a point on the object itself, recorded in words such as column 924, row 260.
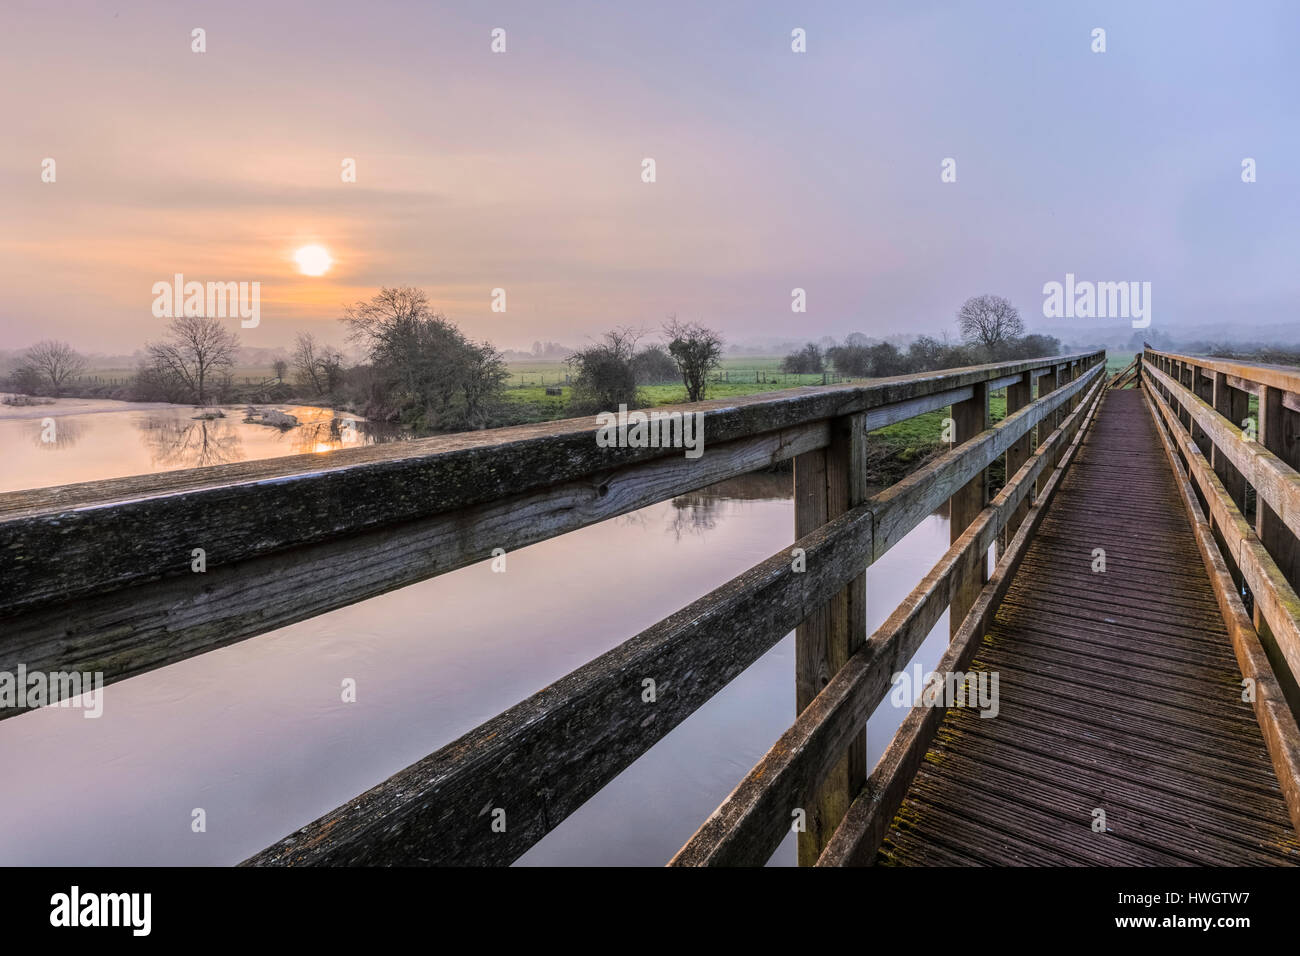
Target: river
column 258, row 737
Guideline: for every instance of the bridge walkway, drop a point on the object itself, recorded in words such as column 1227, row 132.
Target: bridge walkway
column 1121, row 737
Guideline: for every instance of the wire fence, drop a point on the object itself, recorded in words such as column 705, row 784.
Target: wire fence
column 726, row 376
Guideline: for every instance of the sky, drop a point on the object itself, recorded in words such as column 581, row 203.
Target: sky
column 522, row 170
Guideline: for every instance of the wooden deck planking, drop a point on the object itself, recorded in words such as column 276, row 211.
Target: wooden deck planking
column 1118, row 691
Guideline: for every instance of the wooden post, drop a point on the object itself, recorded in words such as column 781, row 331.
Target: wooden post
column 969, row 419
column 1199, row 438
column 1062, row 379
column 1234, row 405
column 1046, row 384
column 1019, row 394
column 828, row 482
column 1279, row 432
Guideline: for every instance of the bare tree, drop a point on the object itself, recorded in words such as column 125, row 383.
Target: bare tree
column 376, row 320
column 281, row 368
column 696, row 350
column 439, row 378
column 317, row 365
column 53, row 363
column 196, row 353
column 989, row 321
column 307, row 362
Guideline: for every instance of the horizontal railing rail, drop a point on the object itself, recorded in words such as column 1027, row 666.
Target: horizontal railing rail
column 100, row 577
column 1268, row 697
column 1204, row 402
column 749, row 825
column 544, row 757
column 863, row 829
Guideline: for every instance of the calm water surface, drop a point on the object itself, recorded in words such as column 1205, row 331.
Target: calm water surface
column 257, row 734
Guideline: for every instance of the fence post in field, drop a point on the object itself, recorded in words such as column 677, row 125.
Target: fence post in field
column 828, row 482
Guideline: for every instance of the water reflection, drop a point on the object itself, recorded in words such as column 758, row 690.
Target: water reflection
column 180, row 443
column 433, row 659
column 53, row 434
column 699, row 512
column 116, row 439
column 331, row 434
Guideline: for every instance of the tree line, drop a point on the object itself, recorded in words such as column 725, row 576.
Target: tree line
column 416, row 368
column 991, row 330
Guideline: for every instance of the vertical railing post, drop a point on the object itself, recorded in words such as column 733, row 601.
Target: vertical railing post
column 1279, row 431
column 1045, row 426
column 827, row 483
column 1199, row 437
column 1234, row 405
column 1062, row 379
column 1019, row 394
column 969, row 418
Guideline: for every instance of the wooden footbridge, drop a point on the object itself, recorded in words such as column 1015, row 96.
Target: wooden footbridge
column 1129, row 594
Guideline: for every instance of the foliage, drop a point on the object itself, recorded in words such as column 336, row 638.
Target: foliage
column 604, row 376
column 697, row 351
column 989, row 322
column 427, row 373
column 47, row 367
column 806, row 361
column 193, row 363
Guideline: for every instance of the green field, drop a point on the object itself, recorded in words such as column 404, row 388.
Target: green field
column 120, row 375
column 737, row 370
column 525, row 399
column 1115, row 361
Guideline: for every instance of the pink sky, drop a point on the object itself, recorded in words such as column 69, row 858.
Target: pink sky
column 522, row 170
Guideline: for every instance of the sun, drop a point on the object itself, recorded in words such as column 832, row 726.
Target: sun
column 313, row 260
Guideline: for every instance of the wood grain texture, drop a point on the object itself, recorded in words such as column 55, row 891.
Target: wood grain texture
column 76, row 540
column 970, row 418
column 541, row 759
column 1272, row 709
column 828, row 483
column 751, row 822
column 549, row 754
column 1149, row 727
column 136, row 629
column 1276, row 483
column 1276, row 601
column 863, row 830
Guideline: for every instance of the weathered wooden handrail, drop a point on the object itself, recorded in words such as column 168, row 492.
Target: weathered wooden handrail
column 542, row 758
column 1272, row 710
column 1222, row 456
column 80, row 539
column 102, row 582
column 98, row 575
column 863, row 829
column 749, row 825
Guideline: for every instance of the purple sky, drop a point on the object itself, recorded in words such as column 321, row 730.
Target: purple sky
column 522, row 170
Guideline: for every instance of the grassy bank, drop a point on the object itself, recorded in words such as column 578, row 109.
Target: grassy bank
column 893, row 452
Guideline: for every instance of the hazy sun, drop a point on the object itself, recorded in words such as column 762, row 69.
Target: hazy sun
column 313, row 260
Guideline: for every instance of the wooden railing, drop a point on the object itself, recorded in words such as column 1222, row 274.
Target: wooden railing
column 100, row 577
column 1238, row 461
